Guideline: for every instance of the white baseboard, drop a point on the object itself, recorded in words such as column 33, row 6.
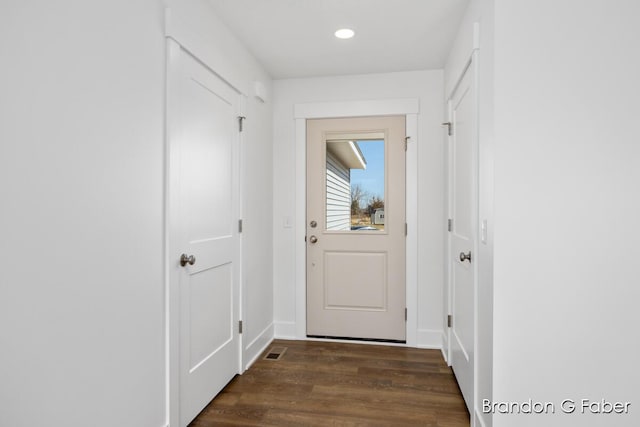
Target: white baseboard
column 285, row 330
column 445, row 347
column 479, row 421
column 444, row 356
column 430, row 338
column 255, row 348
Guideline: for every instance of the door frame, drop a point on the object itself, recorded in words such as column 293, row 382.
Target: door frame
column 322, row 110
column 174, row 45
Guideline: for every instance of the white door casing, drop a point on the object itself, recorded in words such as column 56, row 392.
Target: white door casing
column 355, row 279
column 203, row 206
column 463, row 232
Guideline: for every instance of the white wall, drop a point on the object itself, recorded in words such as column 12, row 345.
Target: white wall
column 82, row 319
column 81, row 184
column 477, row 29
column 428, row 87
column 567, row 204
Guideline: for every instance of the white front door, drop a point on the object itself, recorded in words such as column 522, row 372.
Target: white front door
column 203, row 217
column 356, row 228
column 462, row 242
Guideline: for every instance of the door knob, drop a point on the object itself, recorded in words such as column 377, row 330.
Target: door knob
column 313, row 224
column 464, row 256
column 313, row 239
column 184, row 260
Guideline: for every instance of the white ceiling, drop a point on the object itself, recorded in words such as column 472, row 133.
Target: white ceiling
column 294, row 38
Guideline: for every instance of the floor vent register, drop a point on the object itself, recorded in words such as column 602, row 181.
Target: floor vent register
column 275, row 353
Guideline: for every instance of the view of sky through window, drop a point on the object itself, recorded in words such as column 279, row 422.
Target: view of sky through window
column 371, row 179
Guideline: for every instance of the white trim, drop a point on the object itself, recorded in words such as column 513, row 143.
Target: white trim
column 183, row 34
column 445, row 355
column 242, row 108
column 411, row 217
column 449, row 215
column 299, row 231
column 172, row 295
column 356, row 151
column 261, row 342
column 381, row 107
column 408, row 107
column 167, row 273
column 430, row 338
column 478, row 420
column 476, row 217
column 476, row 35
column 259, row 336
column 284, row 330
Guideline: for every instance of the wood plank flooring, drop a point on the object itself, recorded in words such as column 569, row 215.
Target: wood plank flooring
column 338, row 384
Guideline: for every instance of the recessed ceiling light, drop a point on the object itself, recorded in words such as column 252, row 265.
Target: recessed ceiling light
column 344, row 33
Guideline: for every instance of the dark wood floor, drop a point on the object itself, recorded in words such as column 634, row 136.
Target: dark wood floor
column 337, row 384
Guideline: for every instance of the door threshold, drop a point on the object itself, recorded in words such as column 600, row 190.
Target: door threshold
column 380, row 340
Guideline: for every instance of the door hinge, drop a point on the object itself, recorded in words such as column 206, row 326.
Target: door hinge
column 406, row 229
column 405, row 314
column 239, row 226
column 241, row 123
column 240, row 326
column 449, row 126
column 449, row 321
column 406, row 141
column 449, row 224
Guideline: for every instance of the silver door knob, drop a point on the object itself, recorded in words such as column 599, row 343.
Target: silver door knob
column 313, row 239
column 464, row 256
column 184, row 260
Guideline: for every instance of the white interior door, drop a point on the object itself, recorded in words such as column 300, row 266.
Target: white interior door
column 463, row 234
column 356, row 256
column 204, row 240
